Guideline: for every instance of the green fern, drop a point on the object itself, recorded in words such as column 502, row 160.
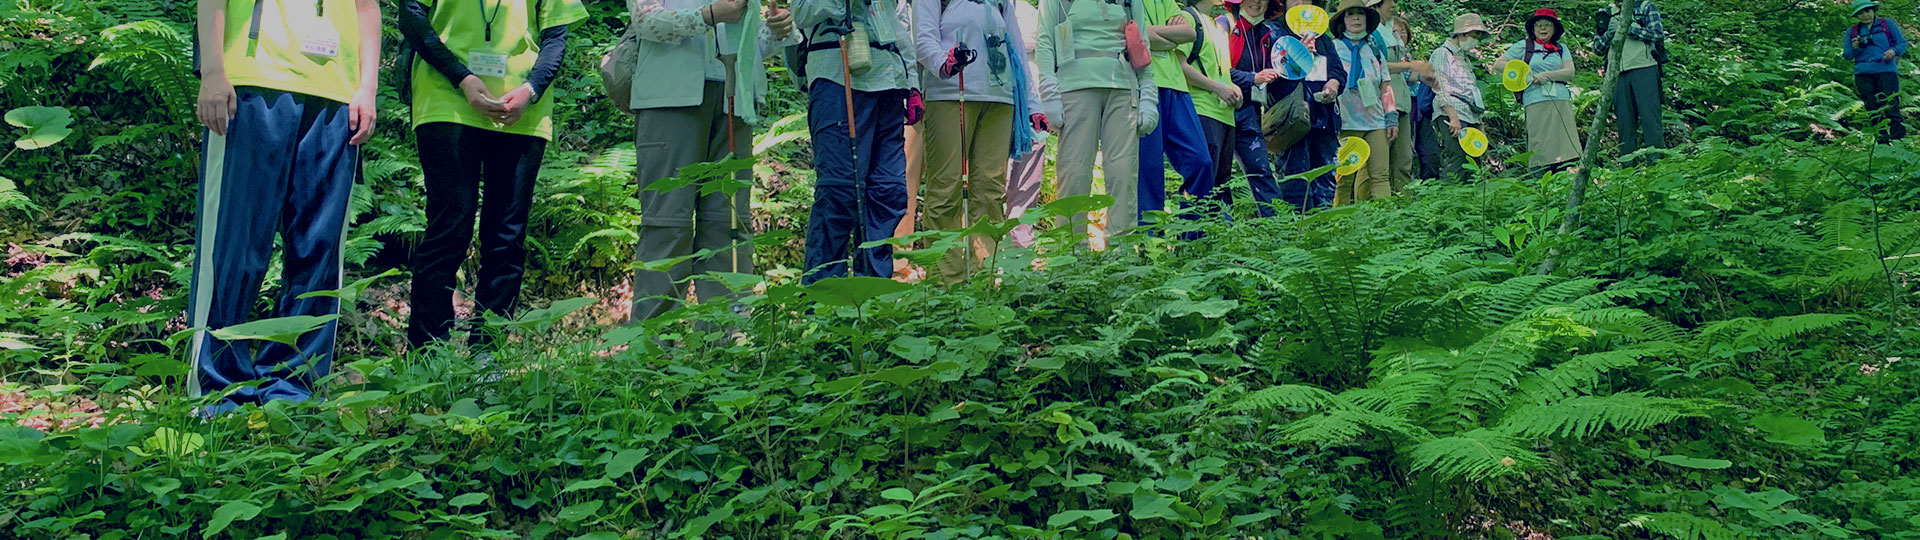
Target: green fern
column 1585, row 416
column 1685, row 527
column 1477, row 455
column 1114, row 442
column 156, row 54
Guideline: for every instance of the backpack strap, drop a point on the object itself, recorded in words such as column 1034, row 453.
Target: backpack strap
column 1199, row 35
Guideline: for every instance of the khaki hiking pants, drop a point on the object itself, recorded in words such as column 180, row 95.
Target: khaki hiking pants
column 983, row 196
column 1401, row 160
column 682, row 221
column 1101, row 121
column 1372, row 180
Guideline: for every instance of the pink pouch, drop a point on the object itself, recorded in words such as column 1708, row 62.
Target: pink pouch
column 1136, row 52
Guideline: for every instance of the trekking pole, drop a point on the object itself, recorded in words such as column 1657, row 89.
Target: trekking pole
column 966, row 172
column 853, row 152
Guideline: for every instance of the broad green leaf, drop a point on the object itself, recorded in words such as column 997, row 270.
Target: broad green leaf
column 467, row 499
column 552, row 313
column 902, row 375
column 1694, row 462
column 1067, row 206
column 45, row 126
column 989, row 316
column 1070, row 517
column 282, row 330
column 897, row 494
column 1764, row 500
column 602, row 535
column 1790, row 431
column 583, row 485
column 912, row 349
column 174, row 443
column 579, row 511
column 229, row 513
column 465, row 407
column 623, row 462
column 853, row 291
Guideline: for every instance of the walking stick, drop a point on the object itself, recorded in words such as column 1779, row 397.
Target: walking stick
column 853, row 152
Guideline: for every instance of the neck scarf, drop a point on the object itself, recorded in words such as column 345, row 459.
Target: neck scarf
column 1548, row 46
column 1359, row 68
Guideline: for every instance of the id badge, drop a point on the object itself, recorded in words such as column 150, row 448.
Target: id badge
column 1369, row 91
column 1063, row 42
column 320, row 39
column 487, row 64
column 881, row 27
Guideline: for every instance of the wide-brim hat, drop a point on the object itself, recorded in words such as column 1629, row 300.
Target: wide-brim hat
column 1469, row 22
column 1340, row 15
column 1863, row 5
column 1550, row 15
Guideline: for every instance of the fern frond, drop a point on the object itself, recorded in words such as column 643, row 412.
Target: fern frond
column 1114, row 442
column 1685, row 526
column 1578, row 374
column 1475, row 455
column 1585, row 416
column 1286, row 396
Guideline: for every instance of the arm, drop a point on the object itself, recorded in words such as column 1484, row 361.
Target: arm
column 1847, row 50
column 1176, row 32
column 926, row 35
column 1564, row 74
column 217, row 101
column 1899, row 39
column 417, row 28
column 1043, row 57
column 1646, row 24
column 659, row 24
column 360, row 111
column 553, row 48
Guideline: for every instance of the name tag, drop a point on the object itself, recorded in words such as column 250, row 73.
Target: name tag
column 320, row 40
column 1064, row 43
column 1369, row 92
column 486, row 64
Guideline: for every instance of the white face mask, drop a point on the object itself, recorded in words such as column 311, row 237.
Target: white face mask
column 1469, row 42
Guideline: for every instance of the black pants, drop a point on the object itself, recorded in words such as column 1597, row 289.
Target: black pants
column 1877, row 91
column 1220, row 145
column 455, row 159
column 1636, row 105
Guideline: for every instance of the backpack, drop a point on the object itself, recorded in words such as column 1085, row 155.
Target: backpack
column 1880, row 26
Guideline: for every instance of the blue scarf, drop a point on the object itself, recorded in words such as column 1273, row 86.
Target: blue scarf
column 1359, row 69
column 1023, row 136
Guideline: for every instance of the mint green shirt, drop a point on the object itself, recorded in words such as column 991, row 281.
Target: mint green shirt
column 1081, row 45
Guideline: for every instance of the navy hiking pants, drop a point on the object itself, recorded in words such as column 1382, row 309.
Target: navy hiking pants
column 860, row 192
column 284, row 169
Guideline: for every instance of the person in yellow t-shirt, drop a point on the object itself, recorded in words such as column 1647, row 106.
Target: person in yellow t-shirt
column 287, row 97
column 479, row 118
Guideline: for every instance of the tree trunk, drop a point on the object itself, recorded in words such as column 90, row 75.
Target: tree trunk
column 1584, row 176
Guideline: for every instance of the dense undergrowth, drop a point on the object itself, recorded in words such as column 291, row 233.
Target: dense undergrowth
column 1725, row 349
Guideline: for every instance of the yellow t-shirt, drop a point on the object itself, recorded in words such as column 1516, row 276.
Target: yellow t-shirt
column 503, row 62
column 307, row 47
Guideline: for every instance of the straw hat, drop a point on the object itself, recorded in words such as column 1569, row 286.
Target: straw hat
column 1469, row 23
column 1340, row 16
column 1550, row 15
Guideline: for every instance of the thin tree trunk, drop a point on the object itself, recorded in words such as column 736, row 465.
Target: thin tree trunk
column 1584, row 176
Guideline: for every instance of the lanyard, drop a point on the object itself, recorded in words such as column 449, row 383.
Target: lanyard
column 488, row 19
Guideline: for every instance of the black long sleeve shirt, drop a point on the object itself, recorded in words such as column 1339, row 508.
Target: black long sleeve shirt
column 416, row 25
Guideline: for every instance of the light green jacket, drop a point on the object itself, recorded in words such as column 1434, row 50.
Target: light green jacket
column 1092, row 56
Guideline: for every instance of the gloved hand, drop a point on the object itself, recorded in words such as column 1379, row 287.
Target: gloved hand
column 1039, row 121
column 916, row 107
column 957, row 60
column 1149, row 112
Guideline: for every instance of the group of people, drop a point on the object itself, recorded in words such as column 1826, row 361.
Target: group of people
column 939, row 110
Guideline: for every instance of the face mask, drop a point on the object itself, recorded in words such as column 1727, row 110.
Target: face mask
column 1469, row 43
column 1356, row 35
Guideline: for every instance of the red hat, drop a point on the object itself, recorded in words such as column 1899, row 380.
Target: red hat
column 1233, row 1
column 1551, row 16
